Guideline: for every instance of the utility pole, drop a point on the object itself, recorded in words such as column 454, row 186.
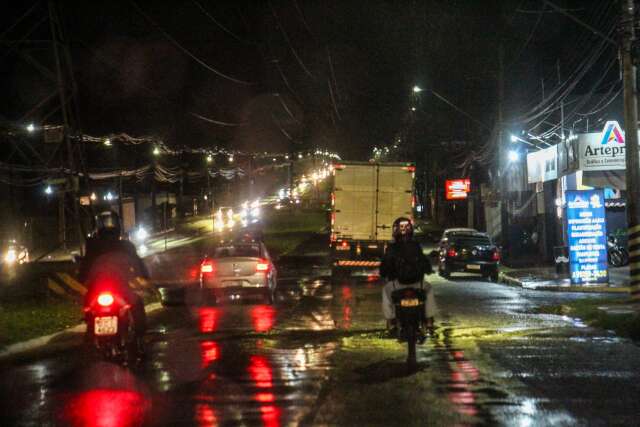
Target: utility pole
column 502, row 153
column 631, row 152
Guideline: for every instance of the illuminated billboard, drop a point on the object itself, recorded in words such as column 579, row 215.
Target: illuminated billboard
column 457, row 189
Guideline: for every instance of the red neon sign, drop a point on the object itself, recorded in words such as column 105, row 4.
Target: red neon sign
column 457, row 189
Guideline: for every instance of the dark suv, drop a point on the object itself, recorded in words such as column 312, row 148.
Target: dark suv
column 469, row 252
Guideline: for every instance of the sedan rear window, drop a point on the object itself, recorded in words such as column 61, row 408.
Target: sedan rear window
column 237, row 251
column 470, row 240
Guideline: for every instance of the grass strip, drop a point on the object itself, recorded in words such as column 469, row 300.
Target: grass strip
column 624, row 324
column 21, row 321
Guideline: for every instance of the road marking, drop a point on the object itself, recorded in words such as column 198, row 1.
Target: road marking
column 55, row 287
column 72, row 283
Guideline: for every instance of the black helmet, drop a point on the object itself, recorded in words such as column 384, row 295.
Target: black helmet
column 402, row 229
column 107, row 225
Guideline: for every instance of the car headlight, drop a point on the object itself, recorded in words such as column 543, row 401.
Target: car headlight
column 141, row 234
column 10, row 256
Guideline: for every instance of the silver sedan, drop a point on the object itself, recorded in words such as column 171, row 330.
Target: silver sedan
column 237, row 271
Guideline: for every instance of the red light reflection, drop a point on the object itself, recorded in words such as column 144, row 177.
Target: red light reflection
column 209, row 352
column 270, row 415
column 262, row 374
column 208, row 319
column 260, row 371
column 205, row 415
column 106, row 408
column 263, row 317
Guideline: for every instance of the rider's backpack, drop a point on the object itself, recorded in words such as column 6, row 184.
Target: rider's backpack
column 407, row 269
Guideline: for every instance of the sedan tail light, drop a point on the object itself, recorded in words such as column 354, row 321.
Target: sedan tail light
column 495, row 256
column 451, row 253
column 207, row 267
column 262, row 266
column 105, row 299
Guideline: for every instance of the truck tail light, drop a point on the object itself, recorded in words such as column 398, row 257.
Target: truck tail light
column 452, row 253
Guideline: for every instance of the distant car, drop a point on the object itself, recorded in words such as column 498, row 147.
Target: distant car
column 224, row 219
column 238, row 270
column 449, row 231
column 469, row 251
column 14, row 253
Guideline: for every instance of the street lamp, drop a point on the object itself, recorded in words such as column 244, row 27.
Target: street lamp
column 156, row 151
column 513, row 156
column 31, row 128
column 107, row 142
column 48, row 190
column 417, row 89
column 209, row 158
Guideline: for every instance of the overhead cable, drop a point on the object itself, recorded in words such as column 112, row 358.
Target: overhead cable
column 187, row 52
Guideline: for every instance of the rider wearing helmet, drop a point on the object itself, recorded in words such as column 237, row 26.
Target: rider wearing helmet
column 111, row 263
column 404, row 247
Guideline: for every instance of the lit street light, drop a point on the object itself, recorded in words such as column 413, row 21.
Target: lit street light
column 31, row 128
column 48, row 190
column 513, row 156
column 156, row 151
column 417, row 89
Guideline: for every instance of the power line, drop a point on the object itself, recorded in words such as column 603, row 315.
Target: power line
column 219, row 24
column 186, row 51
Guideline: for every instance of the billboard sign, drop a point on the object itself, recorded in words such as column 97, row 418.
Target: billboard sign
column 587, row 236
column 457, row 189
column 603, row 151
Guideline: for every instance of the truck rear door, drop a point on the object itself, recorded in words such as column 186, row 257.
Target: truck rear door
column 395, row 197
column 355, row 201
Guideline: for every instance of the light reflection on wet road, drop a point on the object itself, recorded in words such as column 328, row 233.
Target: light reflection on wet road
column 493, row 362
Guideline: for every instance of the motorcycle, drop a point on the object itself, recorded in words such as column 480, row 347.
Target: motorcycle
column 409, row 307
column 111, row 328
column 617, row 254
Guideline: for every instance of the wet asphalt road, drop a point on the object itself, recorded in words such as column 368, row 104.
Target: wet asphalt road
column 493, row 361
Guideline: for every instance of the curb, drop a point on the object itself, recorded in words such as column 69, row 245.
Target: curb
column 513, row 281
column 39, row 342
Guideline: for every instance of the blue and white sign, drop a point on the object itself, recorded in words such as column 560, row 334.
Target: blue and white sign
column 587, row 233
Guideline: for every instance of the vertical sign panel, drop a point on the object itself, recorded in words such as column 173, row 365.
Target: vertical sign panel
column 587, row 234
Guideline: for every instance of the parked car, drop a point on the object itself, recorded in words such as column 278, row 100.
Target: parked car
column 238, row 270
column 469, row 251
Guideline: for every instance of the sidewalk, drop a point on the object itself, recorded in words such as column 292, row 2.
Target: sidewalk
column 545, row 278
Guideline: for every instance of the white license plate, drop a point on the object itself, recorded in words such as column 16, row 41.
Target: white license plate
column 413, row 302
column 473, row 267
column 343, row 248
column 105, row 325
column 231, row 284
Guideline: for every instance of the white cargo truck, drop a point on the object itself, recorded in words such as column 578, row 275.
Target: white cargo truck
column 366, row 199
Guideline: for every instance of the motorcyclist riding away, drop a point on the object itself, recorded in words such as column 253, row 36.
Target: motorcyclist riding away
column 111, row 264
column 405, row 248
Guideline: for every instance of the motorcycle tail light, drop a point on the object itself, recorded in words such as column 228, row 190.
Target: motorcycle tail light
column 262, row 266
column 207, row 267
column 495, row 256
column 105, row 299
column 451, row 253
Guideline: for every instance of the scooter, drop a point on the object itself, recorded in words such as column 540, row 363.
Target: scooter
column 111, row 328
column 617, row 255
column 409, row 307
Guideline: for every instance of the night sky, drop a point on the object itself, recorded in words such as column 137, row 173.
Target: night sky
column 335, row 74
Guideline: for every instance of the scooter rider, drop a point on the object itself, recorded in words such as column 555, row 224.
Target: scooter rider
column 111, row 264
column 405, row 247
